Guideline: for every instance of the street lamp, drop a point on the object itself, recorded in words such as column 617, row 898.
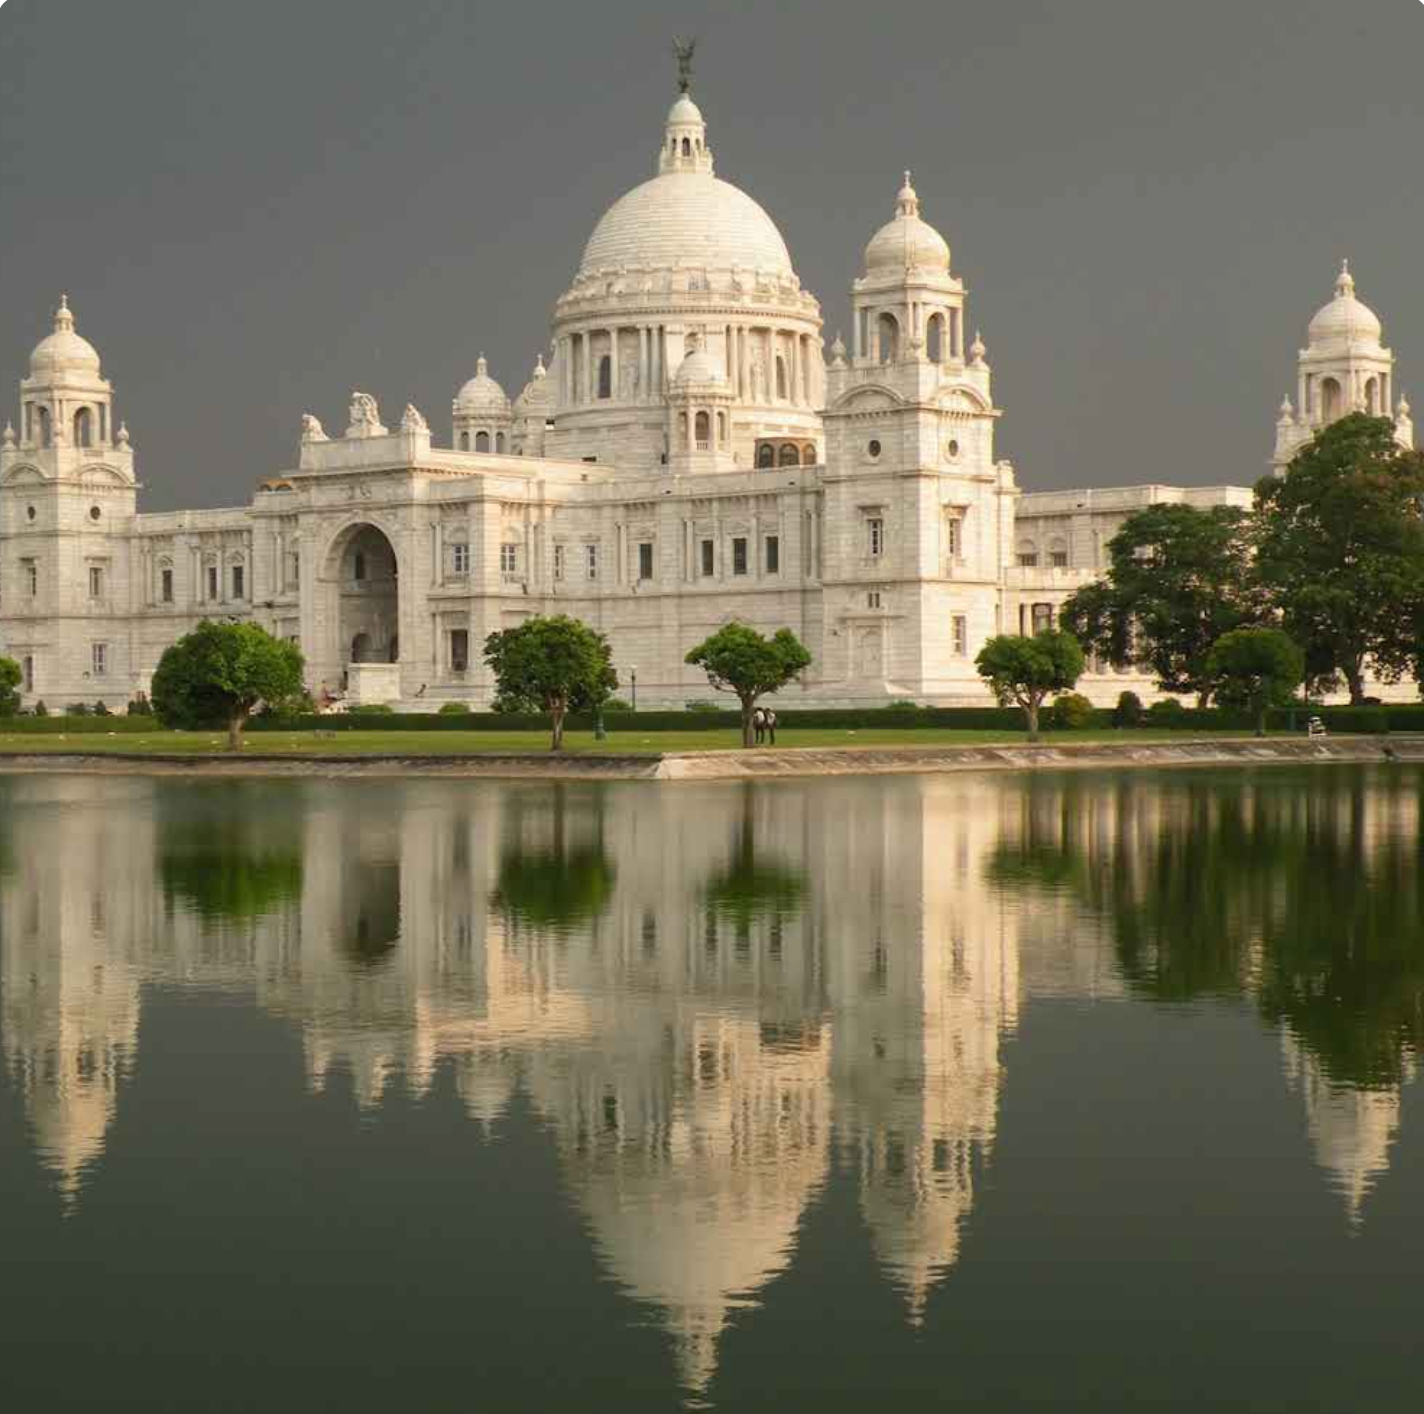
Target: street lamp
column 633, row 682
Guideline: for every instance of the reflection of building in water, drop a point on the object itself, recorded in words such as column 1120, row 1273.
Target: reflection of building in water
column 1351, row 1129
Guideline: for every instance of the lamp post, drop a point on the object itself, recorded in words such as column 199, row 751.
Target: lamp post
column 633, row 683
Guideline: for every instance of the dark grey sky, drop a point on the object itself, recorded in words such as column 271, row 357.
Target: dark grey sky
column 258, row 205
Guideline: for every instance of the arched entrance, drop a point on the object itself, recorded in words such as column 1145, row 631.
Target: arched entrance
column 363, row 564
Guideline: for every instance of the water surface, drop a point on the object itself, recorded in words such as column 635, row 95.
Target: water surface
column 1084, row 1090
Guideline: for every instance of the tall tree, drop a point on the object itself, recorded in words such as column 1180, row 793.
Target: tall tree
column 1177, row 579
column 222, row 672
column 1025, row 670
column 556, row 663
column 10, row 678
column 739, row 659
column 1255, row 668
column 1340, row 551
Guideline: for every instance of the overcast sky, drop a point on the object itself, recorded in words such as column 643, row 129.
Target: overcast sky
column 258, row 205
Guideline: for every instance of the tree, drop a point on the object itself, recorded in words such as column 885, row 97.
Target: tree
column 1025, row 670
column 222, row 672
column 1340, row 551
column 1255, row 668
column 557, row 664
column 10, row 678
column 738, row 659
column 1178, row 578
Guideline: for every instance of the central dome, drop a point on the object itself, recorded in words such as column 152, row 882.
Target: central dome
column 686, row 218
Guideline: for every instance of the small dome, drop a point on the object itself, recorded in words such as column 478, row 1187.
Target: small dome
column 1345, row 318
column 538, row 392
column 64, row 351
column 699, row 367
column 684, row 112
column 482, row 394
column 907, row 241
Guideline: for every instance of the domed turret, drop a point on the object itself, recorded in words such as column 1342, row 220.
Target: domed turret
column 1345, row 319
column 482, row 413
column 533, row 409
column 64, row 351
column 907, row 242
column 482, row 394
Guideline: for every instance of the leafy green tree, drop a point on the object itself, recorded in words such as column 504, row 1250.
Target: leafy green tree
column 560, row 887
column 1340, row 551
column 1177, row 579
column 738, row 659
column 1026, row 670
column 1255, row 668
column 557, row 664
column 10, row 678
column 222, row 672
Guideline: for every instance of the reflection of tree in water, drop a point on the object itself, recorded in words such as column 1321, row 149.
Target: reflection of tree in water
column 554, row 882
column 230, row 851
column 1304, row 893
column 754, row 886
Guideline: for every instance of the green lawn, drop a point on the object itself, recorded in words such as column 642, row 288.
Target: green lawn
column 437, row 743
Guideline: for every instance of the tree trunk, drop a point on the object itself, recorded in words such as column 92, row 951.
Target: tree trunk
column 1203, row 699
column 1031, row 712
column 556, row 714
column 1355, row 679
column 1261, row 720
column 235, row 724
column 748, row 706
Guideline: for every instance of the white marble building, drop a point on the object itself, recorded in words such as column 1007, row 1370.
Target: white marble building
column 687, row 456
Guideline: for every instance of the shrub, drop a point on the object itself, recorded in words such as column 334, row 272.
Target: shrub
column 40, row 709
column 454, row 709
column 10, row 678
column 371, row 709
column 77, row 709
column 1128, row 712
column 1071, row 712
column 701, row 704
column 902, row 704
column 101, row 709
column 140, row 707
column 1165, row 710
column 616, row 704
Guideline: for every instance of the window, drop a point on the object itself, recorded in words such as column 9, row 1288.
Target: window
column 464, row 441
column 808, row 455
column 702, row 431
column 460, row 558
column 1059, row 559
column 165, row 584
column 239, row 581
column 482, row 441
column 590, row 561
column 459, row 649
column 558, row 561
column 27, row 666
column 961, row 636
column 645, row 559
column 1027, row 554
column 605, row 377
column 83, row 428
column 781, row 378
column 790, row 454
column 509, row 559
column 875, row 536
column 766, row 456
column 1042, row 617
column 100, row 658
column 95, row 513
column 887, row 330
column 739, row 554
column 358, row 566
column 934, row 339
column 32, row 578
column 709, row 562
column 499, row 442
column 212, row 582
column 955, row 537
column 295, row 573
column 773, row 554
column 873, row 448
column 872, row 600
column 96, row 582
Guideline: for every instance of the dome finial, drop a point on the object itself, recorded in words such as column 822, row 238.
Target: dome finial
column 907, row 203
column 63, row 319
column 1345, row 284
column 539, row 370
column 481, row 366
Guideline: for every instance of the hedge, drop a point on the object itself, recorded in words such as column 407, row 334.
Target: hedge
column 61, row 725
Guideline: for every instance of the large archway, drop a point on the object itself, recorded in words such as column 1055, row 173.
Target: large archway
column 368, row 588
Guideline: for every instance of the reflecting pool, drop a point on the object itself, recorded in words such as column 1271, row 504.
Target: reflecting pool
column 1072, row 1090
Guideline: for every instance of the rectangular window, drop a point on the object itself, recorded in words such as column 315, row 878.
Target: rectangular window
column 872, row 600
column 773, row 554
column 1042, row 617
column 1059, row 559
column 32, row 578
column 459, row 649
column 100, row 659
column 709, row 559
column 875, row 536
column 212, row 582
column 460, row 559
column 590, row 561
column 239, row 581
column 955, row 537
column 294, row 575
column 96, row 582
column 961, row 636
column 739, row 554
column 558, row 561
column 1027, row 559
column 645, row 559
column 509, row 559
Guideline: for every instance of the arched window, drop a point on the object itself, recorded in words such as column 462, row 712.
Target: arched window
column 703, row 431
column 499, row 441
column 1028, row 554
column 1372, row 397
column 464, row 441
column 721, row 429
column 687, row 147
column 790, row 454
column 42, row 425
column 605, row 377
column 83, row 428
column 887, row 331
column 1329, row 399
column 781, row 378
column 934, row 339
column 766, row 456
column 808, row 455
column 1058, row 552
column 358, row 565
column 482, row 441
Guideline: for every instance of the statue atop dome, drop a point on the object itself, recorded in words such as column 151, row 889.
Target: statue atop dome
column 683, row 50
